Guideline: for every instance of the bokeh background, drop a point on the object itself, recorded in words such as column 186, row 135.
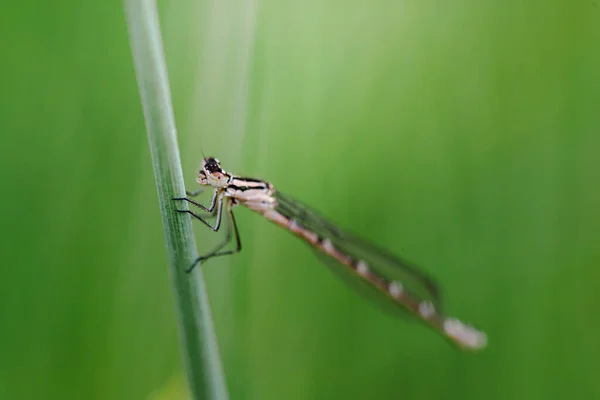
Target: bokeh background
column 462, row 135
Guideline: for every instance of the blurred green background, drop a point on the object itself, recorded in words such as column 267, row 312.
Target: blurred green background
column 462, row 135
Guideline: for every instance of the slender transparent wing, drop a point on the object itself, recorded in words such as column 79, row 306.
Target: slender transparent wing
column 381, row 262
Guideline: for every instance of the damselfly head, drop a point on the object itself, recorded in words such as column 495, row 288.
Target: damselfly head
column 212, row 174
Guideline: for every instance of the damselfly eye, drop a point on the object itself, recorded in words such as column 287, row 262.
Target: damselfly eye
column 212, row 167
column 211, row 160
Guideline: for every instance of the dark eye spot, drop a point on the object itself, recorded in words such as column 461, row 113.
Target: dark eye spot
column 212, row 165
column 212, row 168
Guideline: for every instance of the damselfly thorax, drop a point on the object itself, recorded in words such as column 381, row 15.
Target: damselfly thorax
column 388, row 278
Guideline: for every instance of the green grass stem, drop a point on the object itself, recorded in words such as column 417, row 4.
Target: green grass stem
column 200, row 351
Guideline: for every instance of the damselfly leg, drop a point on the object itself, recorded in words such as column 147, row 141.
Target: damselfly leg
column 194, row 193
column 220, row 203
column 231, row 227
column 209, row 209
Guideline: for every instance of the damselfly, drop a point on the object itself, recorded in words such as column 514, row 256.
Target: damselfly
column 392, row 280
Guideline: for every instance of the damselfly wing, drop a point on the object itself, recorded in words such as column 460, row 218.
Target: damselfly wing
column 383, row 263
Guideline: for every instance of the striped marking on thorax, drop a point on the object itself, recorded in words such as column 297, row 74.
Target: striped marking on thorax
column 246, row 184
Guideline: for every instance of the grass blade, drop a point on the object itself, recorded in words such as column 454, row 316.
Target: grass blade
column 200, row 351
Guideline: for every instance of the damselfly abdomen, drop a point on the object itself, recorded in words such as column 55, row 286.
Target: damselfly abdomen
column 392, row 280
